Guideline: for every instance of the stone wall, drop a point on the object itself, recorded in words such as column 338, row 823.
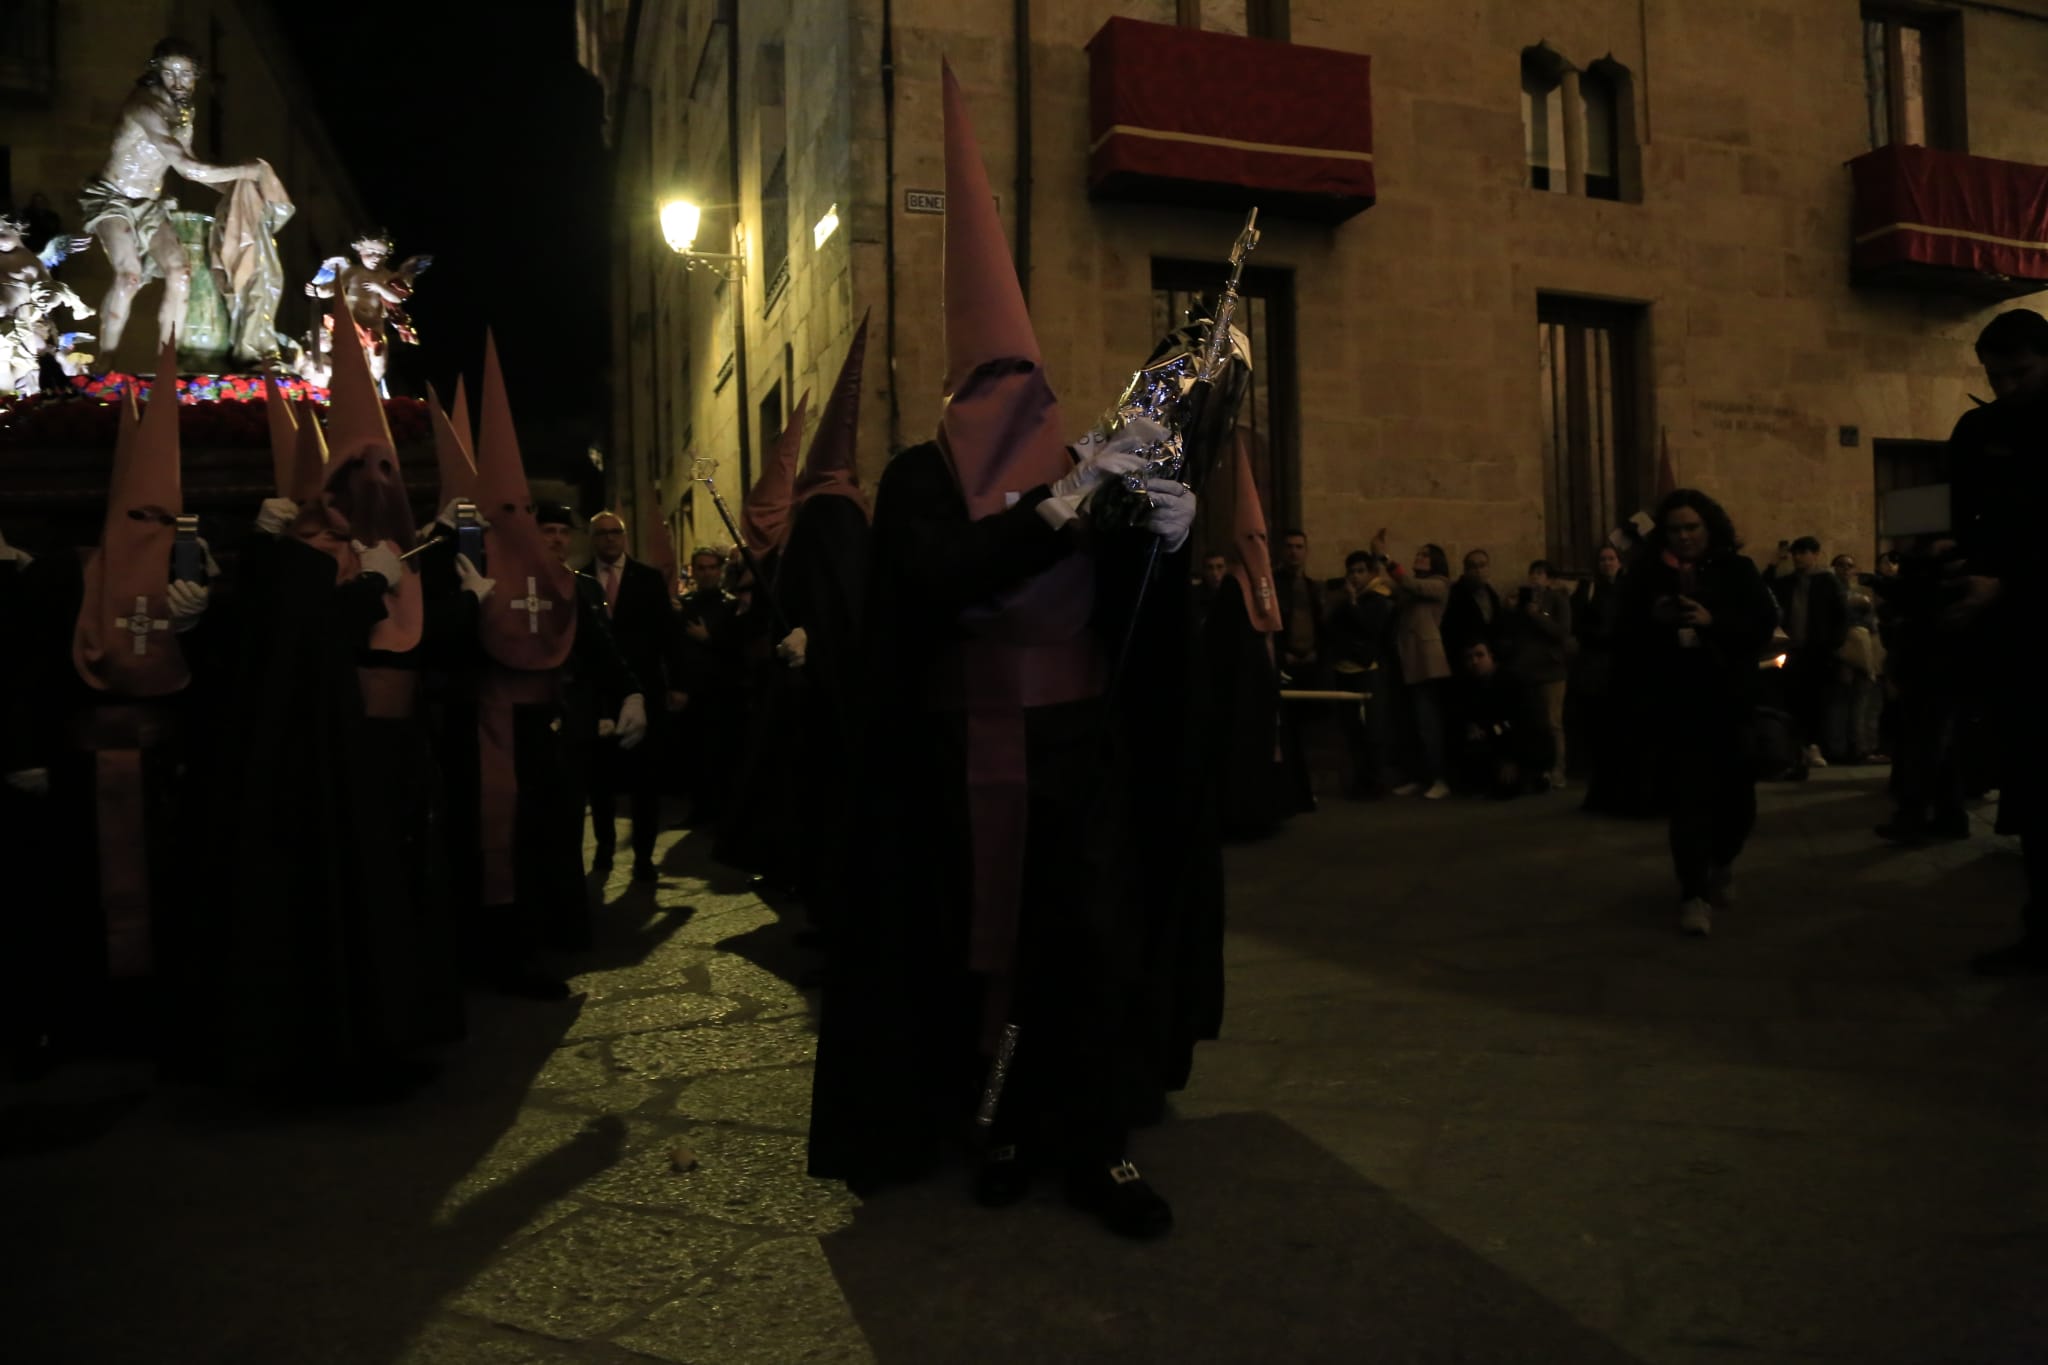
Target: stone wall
column 1420, row 403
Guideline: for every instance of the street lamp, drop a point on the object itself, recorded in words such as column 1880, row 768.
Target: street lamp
column 679, row 222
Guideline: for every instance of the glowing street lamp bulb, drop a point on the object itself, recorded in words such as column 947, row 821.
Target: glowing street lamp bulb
column 679, row 219
column 826, row 226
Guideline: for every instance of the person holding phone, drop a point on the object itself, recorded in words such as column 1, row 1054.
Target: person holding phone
column 1695, row 619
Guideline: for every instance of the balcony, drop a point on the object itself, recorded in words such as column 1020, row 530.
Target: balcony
column 1181, row 116
column 1951, row 222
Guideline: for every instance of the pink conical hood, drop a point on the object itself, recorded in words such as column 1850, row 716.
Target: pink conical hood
column 529, row 623
column 1001, row 427
column 284, row 434
column 452, row 455
column 363, row 476
column 831, row 467
column 122, row 642
column 764, row 517
column 458, row 413
column 309, row 458
column 1254, row 567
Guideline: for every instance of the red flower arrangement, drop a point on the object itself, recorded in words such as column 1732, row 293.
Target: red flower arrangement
column 225, row 411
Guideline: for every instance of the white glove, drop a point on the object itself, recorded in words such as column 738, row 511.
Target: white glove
column 474, row 583
column 30, row 781
column 1096, row 463
column 447, row 516
column 632, row 726
column 791, row 650
column 17, row 555
column 1173, row 512
column 275, row 515
column 382, row 560
column 187, row 602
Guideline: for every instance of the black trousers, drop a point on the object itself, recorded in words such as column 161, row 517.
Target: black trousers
column 614, row 773
column 1809, row 676
column 1712, row 794
column 1928, row 759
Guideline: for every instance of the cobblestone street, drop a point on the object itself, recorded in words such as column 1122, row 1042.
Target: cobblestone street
column 1477, row 1102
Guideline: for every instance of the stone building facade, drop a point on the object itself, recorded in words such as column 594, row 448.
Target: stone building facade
column 64, row 70
column 1605, row 230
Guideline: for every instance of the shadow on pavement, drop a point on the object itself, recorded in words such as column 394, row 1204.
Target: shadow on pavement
column 189, row 1227
column 1285, row 1254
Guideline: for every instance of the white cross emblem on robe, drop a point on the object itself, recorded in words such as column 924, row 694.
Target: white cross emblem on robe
column 533, row 604
column 141, row 625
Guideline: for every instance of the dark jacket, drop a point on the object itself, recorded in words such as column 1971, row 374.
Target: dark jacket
column 1827, row 611
column 1715, row 682
column 1359, row 636
column 1473, row 613
column 646, row 626
column 1539, row 641
column 1596, row 621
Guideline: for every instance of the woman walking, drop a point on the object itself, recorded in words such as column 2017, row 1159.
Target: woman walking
column 1695, row 620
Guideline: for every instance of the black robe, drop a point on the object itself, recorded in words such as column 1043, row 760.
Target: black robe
column 1118, row 967
column 1243, row 729
column 790, row 821
column 334, row 944
column 822, row 586
column 50, row 935
column 552, row 743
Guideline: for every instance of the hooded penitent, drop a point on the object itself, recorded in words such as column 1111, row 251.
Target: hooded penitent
column 123, row 642
column 530, row 622
column 1253, row 568
column 764, row 516
column 452, row 446
column 830, row 468
column 363, row 476
column 527, row 627
column 1002, row 434
column 363, row 493
column 123, row 646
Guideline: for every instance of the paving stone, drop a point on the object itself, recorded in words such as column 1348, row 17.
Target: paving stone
column 734, row 976
column 702, row 1051
column 646, row 1013
column 453, row 1341
column 760, row 1099
column 712, row 926
column 588, row 1276
column 755, row 1179
column 777, row 1304
column 578, row 1066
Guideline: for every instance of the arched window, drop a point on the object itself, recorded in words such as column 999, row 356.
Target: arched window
column 1543, row 119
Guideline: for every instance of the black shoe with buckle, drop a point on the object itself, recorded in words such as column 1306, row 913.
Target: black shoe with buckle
column 1118, row 1195
column 1003, row 1178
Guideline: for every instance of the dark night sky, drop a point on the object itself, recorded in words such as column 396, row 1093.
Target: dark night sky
column 473, row 135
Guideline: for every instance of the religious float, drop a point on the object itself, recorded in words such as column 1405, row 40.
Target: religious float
column 222, row 282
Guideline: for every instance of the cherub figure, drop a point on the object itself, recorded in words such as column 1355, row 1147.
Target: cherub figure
column 376, row 295
column 29, row 294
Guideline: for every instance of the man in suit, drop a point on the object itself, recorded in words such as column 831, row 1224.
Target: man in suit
column 644, row 621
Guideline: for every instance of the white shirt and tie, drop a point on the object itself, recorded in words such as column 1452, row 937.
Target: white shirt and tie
column 608, row 576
